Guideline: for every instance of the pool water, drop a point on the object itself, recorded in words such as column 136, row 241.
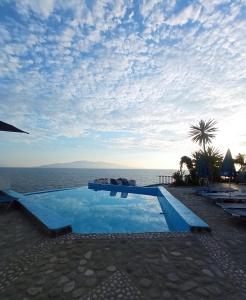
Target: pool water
column 89, row 211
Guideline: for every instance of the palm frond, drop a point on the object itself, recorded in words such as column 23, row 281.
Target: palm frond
column 204, row 132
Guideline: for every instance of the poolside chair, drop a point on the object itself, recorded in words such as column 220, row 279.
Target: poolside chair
column 213, row 190
column 227, row 196
column 232, row 205
column 239, row 213
column 203, row 181
column 124, row 181
column 101, row 180
column 119, row 181
column 132, row 182
column 113, row 181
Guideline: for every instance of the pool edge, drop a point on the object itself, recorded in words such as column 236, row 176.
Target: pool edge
column 187, row 220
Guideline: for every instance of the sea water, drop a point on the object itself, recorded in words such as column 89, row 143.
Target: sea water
column 25, row 180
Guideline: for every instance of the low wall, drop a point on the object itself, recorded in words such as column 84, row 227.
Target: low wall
column 150, row 191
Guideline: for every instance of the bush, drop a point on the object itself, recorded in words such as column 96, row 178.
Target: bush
column 177, row 176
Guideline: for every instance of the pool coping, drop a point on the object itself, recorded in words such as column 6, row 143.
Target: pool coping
column 16, row 201
column 187, row 221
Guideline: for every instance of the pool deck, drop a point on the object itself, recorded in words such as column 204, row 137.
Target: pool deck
column 178, row 266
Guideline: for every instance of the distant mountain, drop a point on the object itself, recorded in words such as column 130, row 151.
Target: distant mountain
column 84, row 164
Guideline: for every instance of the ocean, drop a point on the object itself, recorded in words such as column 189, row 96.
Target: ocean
column 26, row 180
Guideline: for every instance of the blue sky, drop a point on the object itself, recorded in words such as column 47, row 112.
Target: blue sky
column 120, row 81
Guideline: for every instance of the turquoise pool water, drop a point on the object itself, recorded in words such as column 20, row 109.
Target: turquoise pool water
column 89, row 211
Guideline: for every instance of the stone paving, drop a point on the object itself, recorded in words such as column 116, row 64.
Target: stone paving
column 228, row 232
column 178, row 266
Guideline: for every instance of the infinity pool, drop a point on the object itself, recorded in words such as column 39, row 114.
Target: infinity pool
column 90, row 211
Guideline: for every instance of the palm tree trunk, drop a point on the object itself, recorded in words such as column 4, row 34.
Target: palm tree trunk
column 204, row 148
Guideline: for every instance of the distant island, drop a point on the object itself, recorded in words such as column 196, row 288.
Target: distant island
column 84, row 164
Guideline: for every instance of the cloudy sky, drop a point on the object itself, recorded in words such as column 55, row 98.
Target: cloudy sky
column 120, row 81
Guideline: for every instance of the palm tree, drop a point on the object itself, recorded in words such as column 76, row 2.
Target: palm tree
column 213, row 159
column 203, row 133
column 240, row 160
column 187, row 161
column 214, row 156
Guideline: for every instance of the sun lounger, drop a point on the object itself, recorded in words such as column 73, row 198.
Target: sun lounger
column 232, row 198
column 101, row 180
column 132, row 182
column 119, row 181
column 240, row 213
column 113, row 181
column 215, row 192
column 124, row 181
column 220, row 195
column 214, row 189
column 232, row 205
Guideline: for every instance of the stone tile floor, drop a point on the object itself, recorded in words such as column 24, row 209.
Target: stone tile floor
column 167, row 266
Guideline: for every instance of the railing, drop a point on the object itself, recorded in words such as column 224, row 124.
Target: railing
column 165, row 179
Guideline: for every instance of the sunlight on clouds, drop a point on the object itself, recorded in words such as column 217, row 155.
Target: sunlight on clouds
column 189, row 13
column 150, row 71
column 40, row 7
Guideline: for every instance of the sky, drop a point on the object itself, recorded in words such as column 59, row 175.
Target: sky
column 120, row 81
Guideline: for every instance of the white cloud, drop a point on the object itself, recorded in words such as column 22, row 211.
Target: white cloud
column 67, row 37
column 149, row 7
column 189, row 13
column 4, row 34
column 40, row 7
column 93, row 73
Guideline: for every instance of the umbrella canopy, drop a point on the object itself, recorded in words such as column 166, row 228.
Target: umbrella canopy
column 228, row 169
column 11, row 128
column 202, row 168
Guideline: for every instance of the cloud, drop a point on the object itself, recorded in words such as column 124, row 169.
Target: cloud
column 41, row 7
column 189, row 13
column 147, row 71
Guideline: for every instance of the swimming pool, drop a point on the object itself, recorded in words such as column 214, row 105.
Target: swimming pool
column 89, row 211
column 110, row 209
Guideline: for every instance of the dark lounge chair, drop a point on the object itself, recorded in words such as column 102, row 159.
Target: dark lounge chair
column 232, row 205
column 124, row 181
column 113, row 181
column 239, row 213
column 203, row 191
column 227, row 197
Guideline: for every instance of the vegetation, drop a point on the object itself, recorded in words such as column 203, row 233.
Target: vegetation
column 240, row 160
column 203, row 133
column 214, row 160
column 204, row 163
column 178, row 178
column 185, row 160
